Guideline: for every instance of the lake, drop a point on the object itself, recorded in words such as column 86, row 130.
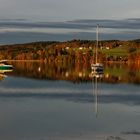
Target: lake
column 40, row 101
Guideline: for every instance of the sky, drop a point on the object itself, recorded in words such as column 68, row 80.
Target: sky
column 63, row 10
column 42, row 20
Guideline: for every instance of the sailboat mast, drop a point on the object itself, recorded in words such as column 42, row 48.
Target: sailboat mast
column 97, row 38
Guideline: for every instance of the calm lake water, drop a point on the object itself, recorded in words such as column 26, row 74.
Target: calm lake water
column 47, row 102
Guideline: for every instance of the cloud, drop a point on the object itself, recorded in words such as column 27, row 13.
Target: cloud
column 69, row 10
column 22, row 30
column 74, row 24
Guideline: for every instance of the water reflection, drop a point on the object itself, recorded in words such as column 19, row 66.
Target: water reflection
column 2, row 76
column 96, row 91
column 51, row 109
column 76, row 73
column 3, row 73
column 4, row 68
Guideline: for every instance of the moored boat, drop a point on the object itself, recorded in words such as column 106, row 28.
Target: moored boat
column 97, row 67
column 5, row 66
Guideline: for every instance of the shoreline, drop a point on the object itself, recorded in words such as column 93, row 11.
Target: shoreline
column 75, row 51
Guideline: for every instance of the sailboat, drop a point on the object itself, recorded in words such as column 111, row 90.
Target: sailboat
column 97, row 67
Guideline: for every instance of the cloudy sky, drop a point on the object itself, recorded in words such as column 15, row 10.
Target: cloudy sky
column 36, row 20
column 58, row 10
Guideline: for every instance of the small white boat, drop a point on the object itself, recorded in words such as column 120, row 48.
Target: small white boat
column 98, row 67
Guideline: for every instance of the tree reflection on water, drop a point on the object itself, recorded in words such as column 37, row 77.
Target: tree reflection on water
column 76, row 72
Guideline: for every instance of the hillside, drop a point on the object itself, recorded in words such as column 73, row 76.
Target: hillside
column 73, row 51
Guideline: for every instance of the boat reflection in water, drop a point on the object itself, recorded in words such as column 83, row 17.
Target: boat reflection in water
column 4, row 69
column 96, row 76
column 2, row 76
column 3, row 73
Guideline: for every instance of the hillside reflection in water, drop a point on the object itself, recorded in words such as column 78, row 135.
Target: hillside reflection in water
column 76, row 73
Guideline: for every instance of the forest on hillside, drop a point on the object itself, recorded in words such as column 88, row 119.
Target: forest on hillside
column 81, row 51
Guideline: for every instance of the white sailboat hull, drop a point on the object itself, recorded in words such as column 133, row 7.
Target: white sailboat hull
column 97, row 67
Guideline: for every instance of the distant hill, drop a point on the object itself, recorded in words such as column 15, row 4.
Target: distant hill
column 73, row 51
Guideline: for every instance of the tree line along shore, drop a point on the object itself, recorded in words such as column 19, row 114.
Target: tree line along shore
column 79, row 51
